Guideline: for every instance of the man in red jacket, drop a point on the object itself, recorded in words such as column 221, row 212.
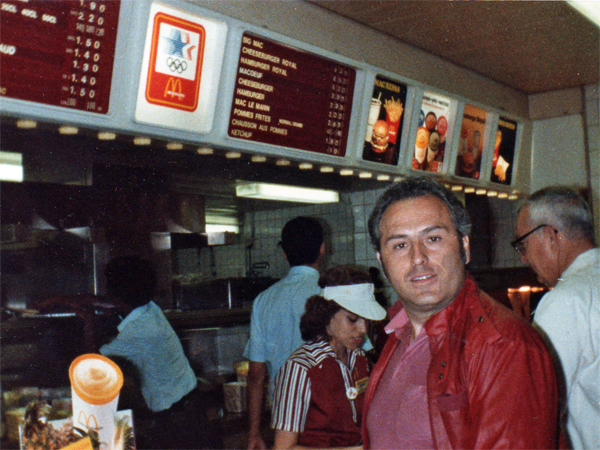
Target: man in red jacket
column 459, row 370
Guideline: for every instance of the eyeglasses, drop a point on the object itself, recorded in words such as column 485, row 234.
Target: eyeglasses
column 519, row 243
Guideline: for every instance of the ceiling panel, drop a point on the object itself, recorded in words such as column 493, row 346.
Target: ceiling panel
column 531, row 46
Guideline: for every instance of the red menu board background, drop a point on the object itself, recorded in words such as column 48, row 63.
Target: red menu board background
column 59, row 52
column 288, row 97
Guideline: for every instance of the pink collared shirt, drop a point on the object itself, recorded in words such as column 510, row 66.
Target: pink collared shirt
column 398, row 416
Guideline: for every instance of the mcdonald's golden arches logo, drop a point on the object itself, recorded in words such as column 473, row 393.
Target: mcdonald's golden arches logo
column 87, row 420
column 173, row 88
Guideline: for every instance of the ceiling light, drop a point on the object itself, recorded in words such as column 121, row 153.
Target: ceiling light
column 106, row 136
column 11, row 166
column 280, row 192
column 24, row 123
column 219, row 228
column 513, row 197
column 492, row 193
column 174, row 146
column 456, row 188
column 365, row 175
column 305, row 166
column 233, row 155
column 346, row 172
column 383, row 177
column 398, row 179
column 258, row 159
column 590, row 9
column 480, row 192
column 140, row 140
column 502, row 195
column 282, row 162
column 469, row 189
column 68, row 130
column 326, row 169
column 204, row 151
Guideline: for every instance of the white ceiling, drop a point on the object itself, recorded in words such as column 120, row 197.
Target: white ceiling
column 531, row 46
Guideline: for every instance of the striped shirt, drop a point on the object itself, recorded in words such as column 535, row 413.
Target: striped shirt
column 320, row 397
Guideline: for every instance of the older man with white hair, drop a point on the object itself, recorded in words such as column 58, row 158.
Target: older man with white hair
column 555, row 237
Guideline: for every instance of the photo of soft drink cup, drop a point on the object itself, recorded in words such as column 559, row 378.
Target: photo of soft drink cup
column 373, row 116
column 96, row 382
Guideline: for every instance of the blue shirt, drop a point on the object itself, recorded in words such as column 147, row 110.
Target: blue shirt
column 275, row 320
column 147, row 340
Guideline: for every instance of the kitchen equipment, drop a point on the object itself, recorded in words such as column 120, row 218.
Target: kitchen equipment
column 224, row 293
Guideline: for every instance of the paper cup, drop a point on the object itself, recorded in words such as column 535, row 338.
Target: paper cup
column 96, row 382
column 235, row 396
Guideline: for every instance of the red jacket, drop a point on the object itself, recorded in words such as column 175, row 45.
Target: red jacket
column 491, row 381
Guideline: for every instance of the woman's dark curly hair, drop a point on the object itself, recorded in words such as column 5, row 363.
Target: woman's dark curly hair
column 318, row 311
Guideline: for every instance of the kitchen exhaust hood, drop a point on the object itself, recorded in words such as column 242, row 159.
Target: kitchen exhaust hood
column 177, row 241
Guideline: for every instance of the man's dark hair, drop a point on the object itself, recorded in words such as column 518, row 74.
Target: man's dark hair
column 562, row 208
column 131, row 279
column 413, row 187
column 318, row 311
column 301, row 240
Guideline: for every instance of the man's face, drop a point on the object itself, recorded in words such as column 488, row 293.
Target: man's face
column 421, row 255
column 536, row 252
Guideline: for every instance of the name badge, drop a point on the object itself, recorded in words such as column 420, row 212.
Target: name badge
column 361, row 385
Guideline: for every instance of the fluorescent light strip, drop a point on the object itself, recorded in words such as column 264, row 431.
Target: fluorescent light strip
column 65, row 129
column 258, row 159
column 282, row 162
column 280, row 192
column 204, row 151
column 174, row 146
column 326, row 169
column 10, row 172
column 305, row 166
column 346, row 172
column 26, row 124
column 233, row 155
column 219, row 228
column 11, row 166
column 140, row 140
column 383, row 177
column 365, row 175
column 106, row 136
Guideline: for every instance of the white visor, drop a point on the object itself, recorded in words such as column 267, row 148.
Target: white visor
column 356, row 298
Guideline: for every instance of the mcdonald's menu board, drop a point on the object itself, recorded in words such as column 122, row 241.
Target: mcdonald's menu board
column 288, row 97
column 59, row 52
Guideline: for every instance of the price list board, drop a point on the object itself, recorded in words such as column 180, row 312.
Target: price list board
column 59, row 52
column 288, row 97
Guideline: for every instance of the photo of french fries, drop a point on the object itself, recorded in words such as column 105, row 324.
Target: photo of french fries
column 394, row 109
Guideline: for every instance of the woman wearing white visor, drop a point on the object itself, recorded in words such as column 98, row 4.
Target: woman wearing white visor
column 319, row 390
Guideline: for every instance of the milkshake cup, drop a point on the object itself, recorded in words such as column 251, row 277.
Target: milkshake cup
column 96, row 382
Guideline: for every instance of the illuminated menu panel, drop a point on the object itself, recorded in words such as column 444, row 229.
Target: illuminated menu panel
column 59, row 52
column 288, row 97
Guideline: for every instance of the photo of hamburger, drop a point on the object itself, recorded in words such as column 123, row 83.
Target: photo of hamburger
column 380, row 137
